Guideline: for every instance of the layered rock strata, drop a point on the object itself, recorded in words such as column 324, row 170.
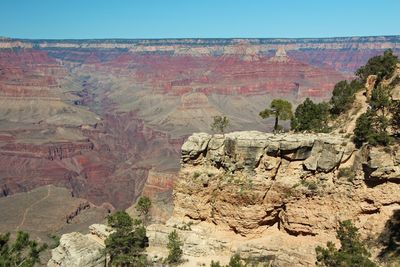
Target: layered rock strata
column 78, row 250
column 275, row 197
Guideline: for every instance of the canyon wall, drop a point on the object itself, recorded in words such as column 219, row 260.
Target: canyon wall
column 274, row 198
column 277, row 197
column 97, row 116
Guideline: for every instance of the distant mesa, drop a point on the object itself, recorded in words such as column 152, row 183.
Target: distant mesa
column 280, row 55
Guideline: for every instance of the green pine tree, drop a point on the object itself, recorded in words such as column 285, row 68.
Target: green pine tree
column 280, row 109
column 175, row 248
column 126, row 245
column 352, row 251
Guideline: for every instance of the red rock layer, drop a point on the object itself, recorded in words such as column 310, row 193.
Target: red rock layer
column 109, row 162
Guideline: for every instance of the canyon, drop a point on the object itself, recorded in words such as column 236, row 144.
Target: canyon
column 106, row 119
column 269, row 197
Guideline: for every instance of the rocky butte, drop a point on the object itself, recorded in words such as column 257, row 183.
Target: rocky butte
column 106, row 119
column 266, row 195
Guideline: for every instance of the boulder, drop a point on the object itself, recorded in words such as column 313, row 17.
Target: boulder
column 78, row 250
column 194, row 146
column 382, row 164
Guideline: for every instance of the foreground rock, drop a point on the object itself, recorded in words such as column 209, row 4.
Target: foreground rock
column 244, row 180
column 80, row 250
column 284, row 188
column 274, row 197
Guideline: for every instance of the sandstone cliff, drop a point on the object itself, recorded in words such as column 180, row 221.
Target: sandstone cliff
column 275, row 197
column 279, row 196
column 80, row 250
column 95, row 116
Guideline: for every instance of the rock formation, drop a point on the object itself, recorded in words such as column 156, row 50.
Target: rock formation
column 96, row 116
column 274, row 197
column 277, row 196
column 78, row 250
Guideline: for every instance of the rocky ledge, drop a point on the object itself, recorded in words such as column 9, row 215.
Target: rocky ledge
column 245, row 180
column 271, row 196
column 76, row 249
column 286, row 186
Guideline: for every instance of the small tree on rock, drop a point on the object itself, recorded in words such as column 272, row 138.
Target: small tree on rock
column 383, row 66
column 174, row 246
column 310, row 117
column 280, row 109
column 22, row 252
column 352, row 251
column 371, row 127
column 219, row 123
column 143, row 206
column 343, row 96
column 126, row 245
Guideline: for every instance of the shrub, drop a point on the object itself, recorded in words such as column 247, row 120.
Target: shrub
column 382, row 66
column 280, row 109
column 196, row 175
column 349, row 173
column 310, row 185
column 174, row 246
column 311, row 117
column 126, row 245
column 352, row 251
column 343, row 96
column 215, row 264
column 22, row 252
column 237, row 261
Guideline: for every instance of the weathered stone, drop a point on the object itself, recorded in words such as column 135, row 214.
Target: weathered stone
column 255, row 173
column 77, row 250
column 195, row 145
column 383, row 165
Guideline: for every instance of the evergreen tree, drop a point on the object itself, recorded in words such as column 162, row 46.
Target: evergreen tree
column 23, row 252
column 311, row 117
column 352, row 251
column 371, row 127
column 126, row 245
column 219, row 123
column 280, row 109
column 395, row 122
column 174, row 246
column 382, row 66
column 343, row 96
column 143, row 207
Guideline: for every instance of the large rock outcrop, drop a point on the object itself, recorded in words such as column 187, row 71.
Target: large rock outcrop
column 94, row 116
column 78, row 250
column 290, row 190
column 274, row 197
column 244, row 180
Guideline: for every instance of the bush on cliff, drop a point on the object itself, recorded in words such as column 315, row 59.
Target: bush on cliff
column 175, row 248
column 371, row 127
column 126, row 245
column 395, row 110
column 219, row 123
column 311, row 117
column 143, row 207
column 382, row 66
column 237, row 261
column 280, row 109
column 22, row 252
column 343, row 96
column 352, row 251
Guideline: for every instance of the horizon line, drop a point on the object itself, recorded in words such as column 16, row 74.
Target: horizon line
column 198, row 38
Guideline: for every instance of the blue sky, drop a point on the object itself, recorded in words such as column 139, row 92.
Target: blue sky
column 77, row 19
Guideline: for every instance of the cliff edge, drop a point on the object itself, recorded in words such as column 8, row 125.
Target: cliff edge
column 275, row 197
